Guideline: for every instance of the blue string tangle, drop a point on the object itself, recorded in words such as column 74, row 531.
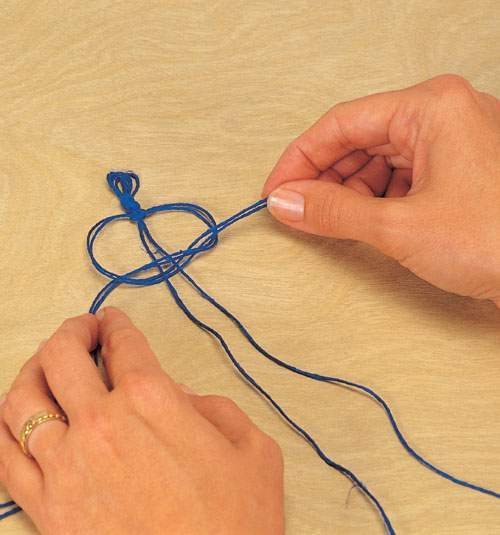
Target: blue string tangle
column 166, row 265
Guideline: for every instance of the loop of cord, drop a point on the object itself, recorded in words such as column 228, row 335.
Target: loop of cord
column 125, row 185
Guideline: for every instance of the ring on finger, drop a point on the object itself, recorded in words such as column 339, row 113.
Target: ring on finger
column 33, row 422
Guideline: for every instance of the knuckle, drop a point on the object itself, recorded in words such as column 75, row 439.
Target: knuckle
column 275, row 455
column 222, row 404
column 336, row 125
column 67, row 324
column 265, row 445
column 121, row 337
column 54, row 347
column 452, row 85
column 56, row 344
column 76, row 322
column 452, row 80
column 95, row 422
column 86, row 417
column 67, row 329
column 135, row 383
column 102, row 427
column 143, row 389
column 13, row 400
column 271, row 446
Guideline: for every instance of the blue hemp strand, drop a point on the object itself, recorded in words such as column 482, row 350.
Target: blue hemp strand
column 125, row 185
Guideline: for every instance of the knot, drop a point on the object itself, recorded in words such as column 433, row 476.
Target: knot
column 125, row 184
column 132, row 207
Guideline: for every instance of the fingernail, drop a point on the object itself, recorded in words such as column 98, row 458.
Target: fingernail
column 100, row 314
column 286, row 204
column 2, row 398
column 186, row 389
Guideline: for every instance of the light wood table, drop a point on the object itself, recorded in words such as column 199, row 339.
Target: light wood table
column 200, row 98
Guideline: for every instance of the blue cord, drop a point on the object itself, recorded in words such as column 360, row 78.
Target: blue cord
column 125, row 185
column 12, row 511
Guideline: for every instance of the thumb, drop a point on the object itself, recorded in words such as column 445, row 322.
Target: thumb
column 331, row 209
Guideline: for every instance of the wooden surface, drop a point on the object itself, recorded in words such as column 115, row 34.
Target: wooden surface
column 200, row 98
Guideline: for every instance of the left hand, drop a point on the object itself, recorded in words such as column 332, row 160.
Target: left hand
column 144, row 456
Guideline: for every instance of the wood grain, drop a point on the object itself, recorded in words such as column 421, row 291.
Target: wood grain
column 200, row 99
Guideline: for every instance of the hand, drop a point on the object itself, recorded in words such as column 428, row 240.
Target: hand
column 144, row 457
column 432, row 151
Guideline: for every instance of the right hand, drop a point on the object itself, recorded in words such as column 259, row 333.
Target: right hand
column 432, row 151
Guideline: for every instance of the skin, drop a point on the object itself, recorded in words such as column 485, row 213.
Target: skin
column 143, row 457
column 413, row 172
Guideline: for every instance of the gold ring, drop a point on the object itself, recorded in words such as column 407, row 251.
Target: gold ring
column 34, row 421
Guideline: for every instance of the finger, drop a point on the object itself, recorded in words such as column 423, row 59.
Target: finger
column 225, row 415
column 347, row 167
column 400, row 183
column 124, row 348
column 347, row 127
column 72, row 376
column 352, row 163
column 372, row 179
column 387, row 149
column 329, row 209
column 330, row 175
column 20, row 475
column 29, row 395
column 398, row 161
column 135, row 371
